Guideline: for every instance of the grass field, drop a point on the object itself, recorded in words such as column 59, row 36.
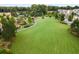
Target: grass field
column 46, row 36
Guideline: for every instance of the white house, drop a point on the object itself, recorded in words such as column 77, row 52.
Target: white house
column 66, row 13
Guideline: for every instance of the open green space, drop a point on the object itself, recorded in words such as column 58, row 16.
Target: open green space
column 46, row 36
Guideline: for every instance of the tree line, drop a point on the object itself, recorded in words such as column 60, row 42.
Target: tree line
column 49, row 8
column 54, row 8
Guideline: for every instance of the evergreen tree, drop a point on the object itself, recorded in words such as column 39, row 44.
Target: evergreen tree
column 71, row 17
column 61, row 17
column 30, row 20
column 9, row 27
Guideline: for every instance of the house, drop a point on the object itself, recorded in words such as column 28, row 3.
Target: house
column 76, row 11
column 66, row 13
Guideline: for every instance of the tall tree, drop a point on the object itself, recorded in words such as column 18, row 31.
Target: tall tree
column 8, row 26
column 38, row 10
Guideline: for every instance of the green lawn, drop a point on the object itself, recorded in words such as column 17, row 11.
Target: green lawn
column 46, row 36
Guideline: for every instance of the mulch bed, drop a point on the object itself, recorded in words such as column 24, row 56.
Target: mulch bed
column 74, row 32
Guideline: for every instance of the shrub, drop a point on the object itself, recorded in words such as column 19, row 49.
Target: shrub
column 5, row 51
column 42, row 17
column 75, row 27
column 50, row 14
column 55, row 14
column 30, row 20
column 9, row 27
column 61, row 16
column 28, row 25
column 14, row 14
column 71, row 16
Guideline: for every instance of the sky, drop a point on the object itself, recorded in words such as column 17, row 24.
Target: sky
column 27, row 3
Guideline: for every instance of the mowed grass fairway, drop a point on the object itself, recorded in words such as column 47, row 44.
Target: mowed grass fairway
column 46, row 36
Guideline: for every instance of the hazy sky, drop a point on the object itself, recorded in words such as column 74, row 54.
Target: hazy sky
column 27, row 3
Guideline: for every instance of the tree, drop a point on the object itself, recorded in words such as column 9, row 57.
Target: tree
column 75, row 25
column 56, row 15
column 76, row 7
column 8, row 26
column 30, row 20
column 61, row 17
column 12, row 26
column 70, row 17
column 68, row 7
column 53, row 8
column 38, row 10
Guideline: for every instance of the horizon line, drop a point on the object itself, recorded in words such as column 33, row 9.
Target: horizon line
column 28, row 5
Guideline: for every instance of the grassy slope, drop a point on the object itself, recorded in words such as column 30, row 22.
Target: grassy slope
column 46, row 36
